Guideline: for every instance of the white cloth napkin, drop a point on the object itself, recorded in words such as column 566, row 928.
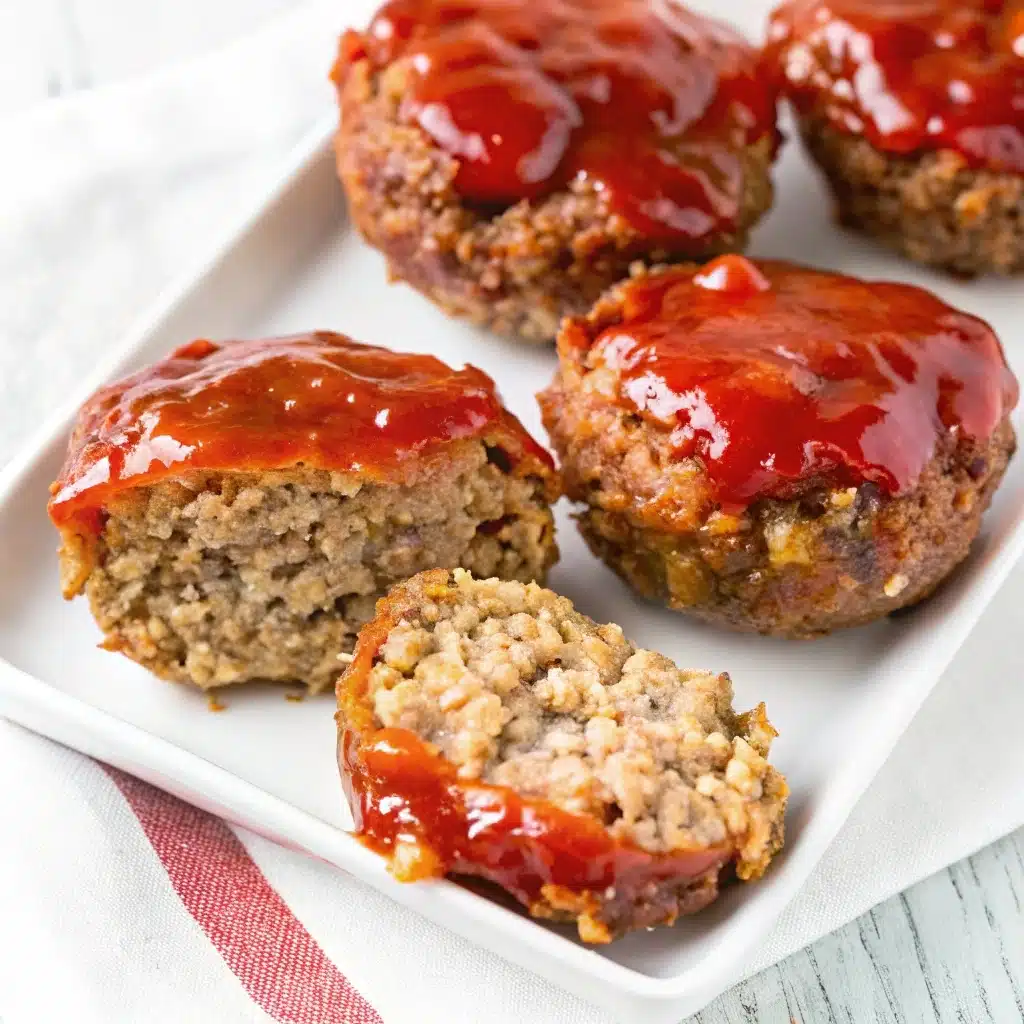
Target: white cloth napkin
column 108, row 910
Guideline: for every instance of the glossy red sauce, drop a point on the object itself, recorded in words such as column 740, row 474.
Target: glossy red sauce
column 911, row 74
column 650, row 102
column 401, row 791
column 774, row 374
column 318, row 399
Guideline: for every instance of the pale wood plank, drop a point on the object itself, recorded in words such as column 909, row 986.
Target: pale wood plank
column 948, row 950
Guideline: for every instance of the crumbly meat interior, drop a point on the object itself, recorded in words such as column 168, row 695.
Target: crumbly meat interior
column 269, row 576
column 516, row 688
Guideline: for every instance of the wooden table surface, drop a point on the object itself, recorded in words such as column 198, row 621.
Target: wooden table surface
column 950, row 949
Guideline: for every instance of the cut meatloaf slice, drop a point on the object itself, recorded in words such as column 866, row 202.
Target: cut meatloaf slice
column 490, row 729
column 261, row 551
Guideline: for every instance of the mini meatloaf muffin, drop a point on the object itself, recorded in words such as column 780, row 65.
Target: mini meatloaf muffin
column 779, row 449
column 234, row 511
column 915, row 113
column 511, row 158
column 489, row 729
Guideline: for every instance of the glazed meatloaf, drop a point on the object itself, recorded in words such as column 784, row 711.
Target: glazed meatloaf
column 489, row 729
column 511, row 158
column 779, row 449
column 234, row 511
column 915, row 113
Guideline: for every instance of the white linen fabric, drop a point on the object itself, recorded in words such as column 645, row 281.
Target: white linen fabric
column 103, row 197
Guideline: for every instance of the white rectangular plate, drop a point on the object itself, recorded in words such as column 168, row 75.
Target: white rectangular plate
column 840, row 703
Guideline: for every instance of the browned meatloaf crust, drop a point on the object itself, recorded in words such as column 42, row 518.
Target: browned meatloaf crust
column 931, row 207
column 517, row 271
column 490, row 729
column 827, row 558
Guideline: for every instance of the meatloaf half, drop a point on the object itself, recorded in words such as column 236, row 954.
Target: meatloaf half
column 915, row 114
column 778, row 449
column 234, row 511
column 511, row 160
column 487, row 728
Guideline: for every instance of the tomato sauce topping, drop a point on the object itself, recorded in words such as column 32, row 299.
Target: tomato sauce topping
column 910, row 74
column 774, row 374
column 651, row 103
column 319, row 400
column 400, row 791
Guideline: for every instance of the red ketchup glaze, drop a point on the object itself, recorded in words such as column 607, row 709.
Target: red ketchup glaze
column 401, row 791
column 910, row 74
column 650, row 102
column 774, row 375
column 317, row 399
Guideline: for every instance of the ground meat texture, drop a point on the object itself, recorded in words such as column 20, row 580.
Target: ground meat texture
column 517, row 269
column 224, row 578
column 490, row 729
column 824, row 557
column 931, row 207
